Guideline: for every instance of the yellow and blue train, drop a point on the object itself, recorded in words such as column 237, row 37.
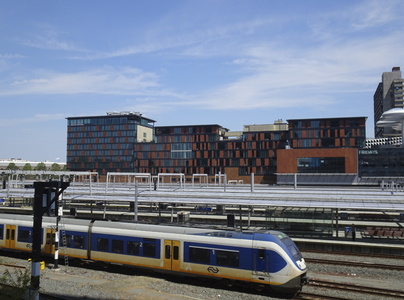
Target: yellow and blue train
column 267, row 259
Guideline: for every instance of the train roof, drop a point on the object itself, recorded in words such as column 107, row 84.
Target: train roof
column 256, row 235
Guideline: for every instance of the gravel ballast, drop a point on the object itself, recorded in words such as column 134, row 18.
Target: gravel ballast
column 85, row 283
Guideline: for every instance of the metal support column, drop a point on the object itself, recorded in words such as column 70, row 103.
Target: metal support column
column 40, row 207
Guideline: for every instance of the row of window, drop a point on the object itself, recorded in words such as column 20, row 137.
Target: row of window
column 101, row 134
column 101, row 153
column 101, row 128
column 107, row 121
column 105, row 140
column 321, row 165
column 100, row 147
column 223, row 257
column 148, row 246
column 184, row 130
column 72, row 159
column 326, row 123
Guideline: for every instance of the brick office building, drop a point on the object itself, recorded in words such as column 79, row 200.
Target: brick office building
column 128, row 142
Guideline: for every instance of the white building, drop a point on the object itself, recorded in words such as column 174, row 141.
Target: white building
column 20, row 163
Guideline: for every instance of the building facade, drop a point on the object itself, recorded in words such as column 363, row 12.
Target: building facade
column 128, row 142
column 389, row 94
column 106, row 143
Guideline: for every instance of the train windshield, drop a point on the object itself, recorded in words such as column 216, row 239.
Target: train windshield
column 287, row 241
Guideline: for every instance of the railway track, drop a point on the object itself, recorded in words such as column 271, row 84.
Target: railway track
column 310, row 296
column 354, row 264
column 384, row 256
column 347, row 287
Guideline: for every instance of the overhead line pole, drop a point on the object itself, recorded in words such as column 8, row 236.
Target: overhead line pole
column 42, row 192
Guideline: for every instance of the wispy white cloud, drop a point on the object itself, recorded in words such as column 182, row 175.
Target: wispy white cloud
column 370, row 14
column 47, row 37
column 185, row 43
column 107, row 80
column 10, row 56
column 37, row 118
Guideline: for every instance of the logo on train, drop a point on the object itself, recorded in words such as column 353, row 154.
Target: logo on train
column 29, row 246
column 213, row 270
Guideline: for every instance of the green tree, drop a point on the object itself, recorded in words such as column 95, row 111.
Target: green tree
column 27, row 167
column 40, row 167
column 12, row 166
column 55, row 167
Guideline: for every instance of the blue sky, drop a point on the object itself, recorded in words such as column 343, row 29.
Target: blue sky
column 231, row 63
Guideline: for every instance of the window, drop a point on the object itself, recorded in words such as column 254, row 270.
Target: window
column 1, row 232
column 321, row 165
column 167, row 252
column 199, row 255
column 102, row 244
column 79, row 242
column 23, row 236
column 133, row 248
column 149, row 249
column 227, row 258
column 176, row 253
column 315, row 124
column 68, row 238
column 117, row 246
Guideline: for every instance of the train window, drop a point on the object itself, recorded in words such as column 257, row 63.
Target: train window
column 117, row 246
column 292, row 248
column 1, row 232
column 8, row 234
column 199, row 255
column 133, row 248
column 23, row 236
column 229, row 235
column 222, row 234
column 176, row 253
column 261, row 253
column 167, row 251
column 149, row 249
column 12, row 234
column 227, row 258
column 215, row 234
column 102, row 245
column 79, row 242
column 68, row 238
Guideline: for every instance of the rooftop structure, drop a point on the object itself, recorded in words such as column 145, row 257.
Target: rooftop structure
column 389, row 94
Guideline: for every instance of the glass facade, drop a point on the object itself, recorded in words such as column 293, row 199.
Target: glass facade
column 321, row 165
column 205, row 150
column 381, row 162
column 104, row 143
column 326, row 133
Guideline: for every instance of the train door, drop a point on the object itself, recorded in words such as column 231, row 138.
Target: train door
column 261, row 264
column 172, row 255
column 50, row 240
column 10, row 236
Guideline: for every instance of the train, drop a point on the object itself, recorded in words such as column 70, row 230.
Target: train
column 264, row 259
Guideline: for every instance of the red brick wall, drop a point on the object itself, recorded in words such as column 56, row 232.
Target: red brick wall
column 287, row 158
